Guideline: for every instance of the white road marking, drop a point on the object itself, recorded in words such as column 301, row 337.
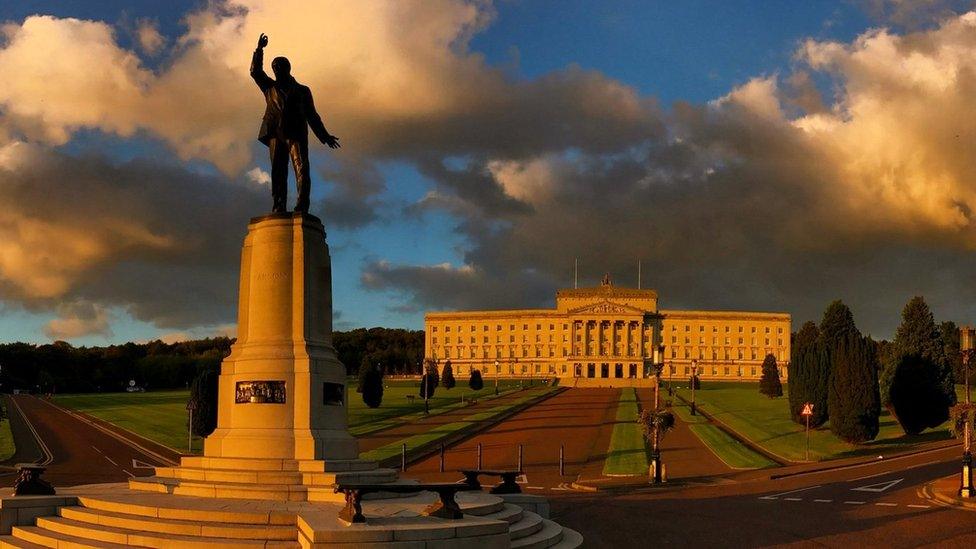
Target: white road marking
column 128, row 473
column 536, row 487
column 885, row 504
column 913, row 506
column 97, row 450
column 793, row 499
column 878, row 487
column 522, row 479
column 48, row 455
column 136, row 464
column 823, row 500
column 110, row 460
column 855, row 502
column 881, row 474
column 774, row 496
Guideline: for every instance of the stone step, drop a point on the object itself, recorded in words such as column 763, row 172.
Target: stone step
column 550, row 534
column 265, row 464
column 47, row 538
column 571, row 540
column 530, row 524
column 181, row 527
column 375, row 476
column 185, row 508
column 327, row 494
column 511, row 514
column 129, row 537
column 233, row 490
column 153, row 484
column 230, row 475
column 10, row 542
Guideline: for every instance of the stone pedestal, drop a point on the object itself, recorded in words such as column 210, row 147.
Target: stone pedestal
column 282, row 389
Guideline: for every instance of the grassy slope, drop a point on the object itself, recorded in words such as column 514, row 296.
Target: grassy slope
column 766, row 422
column 727, row 449
column 161, row 416
column 627, row 453
column 443, row 431
column 7, row 446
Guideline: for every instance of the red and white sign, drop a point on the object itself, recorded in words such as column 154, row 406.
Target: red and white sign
column 807, row 409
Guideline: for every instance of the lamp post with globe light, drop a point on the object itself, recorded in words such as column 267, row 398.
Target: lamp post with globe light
column 694, row 381
column 966, row 349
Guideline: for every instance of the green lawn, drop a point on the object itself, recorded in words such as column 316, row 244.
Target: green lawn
column 159, row 416
column 7, row 447
column 766, row 422
column 162, row 417
column 729, row 450
column 441, row 432
column 627, row 453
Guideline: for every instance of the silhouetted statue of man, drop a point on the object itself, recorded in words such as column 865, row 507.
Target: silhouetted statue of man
column 284, row 128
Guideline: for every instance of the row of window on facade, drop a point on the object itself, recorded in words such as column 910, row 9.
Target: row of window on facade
column 728, row 329
column 728, row 341
column 541, row 351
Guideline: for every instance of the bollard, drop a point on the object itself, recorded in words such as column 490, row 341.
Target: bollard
column 562, row 461
column 479, row 456
column 403, row 456
column 520, row 458
column 442, row 458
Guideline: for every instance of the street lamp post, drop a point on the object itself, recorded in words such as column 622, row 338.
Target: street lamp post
column 694, row 380
column 670, row 375
column 656, row 450
column 497, row 371
column 966, row 489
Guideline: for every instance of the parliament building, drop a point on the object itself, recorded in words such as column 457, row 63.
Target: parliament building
column 608, row 336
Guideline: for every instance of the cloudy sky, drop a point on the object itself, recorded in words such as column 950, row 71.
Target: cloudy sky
column 753, row 155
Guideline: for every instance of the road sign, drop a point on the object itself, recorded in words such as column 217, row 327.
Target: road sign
column 807, row 409
column 132, row 383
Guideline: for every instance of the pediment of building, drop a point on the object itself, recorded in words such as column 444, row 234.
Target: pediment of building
column 607, row 307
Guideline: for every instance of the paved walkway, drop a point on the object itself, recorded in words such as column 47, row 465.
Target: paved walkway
column 684, row 454
column 573, row 419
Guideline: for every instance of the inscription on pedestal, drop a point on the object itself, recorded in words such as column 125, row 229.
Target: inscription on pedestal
column 260, row 392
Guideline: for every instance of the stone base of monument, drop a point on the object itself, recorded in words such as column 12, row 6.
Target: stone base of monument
column 113, row 515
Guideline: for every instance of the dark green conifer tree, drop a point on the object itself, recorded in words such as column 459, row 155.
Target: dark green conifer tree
column 809, row 375
column 447, row 379
column 853, row 400
column 917, row 380
column 476, row 383
column 373, row 386
column 769, row 383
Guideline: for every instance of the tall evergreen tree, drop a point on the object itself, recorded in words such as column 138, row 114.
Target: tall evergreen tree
column 203, row 396
column 364, row 368
column 809, row 375
column 476, row 383
column 853, row 400
column 769, row 383
column 372, row 383
column 447, row 379
column 430, row 370
column 917, row 382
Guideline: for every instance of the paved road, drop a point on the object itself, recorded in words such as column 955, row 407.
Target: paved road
column 79, row 451
column 579, row 419
column 874, row 505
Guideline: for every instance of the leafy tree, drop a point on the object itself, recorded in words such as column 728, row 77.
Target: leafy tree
column 949, row 337
column 769, row 383
column 448, row 376
column 476, row 383
column 917, row 381
column 809, row 375
column 372, row 384
column 203, row 398
column 853, row 400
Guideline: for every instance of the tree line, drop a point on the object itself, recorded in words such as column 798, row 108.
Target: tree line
column 60, row 367
column 848, row 377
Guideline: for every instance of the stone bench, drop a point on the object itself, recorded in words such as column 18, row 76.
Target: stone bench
column 507, row 486
column 447, row 507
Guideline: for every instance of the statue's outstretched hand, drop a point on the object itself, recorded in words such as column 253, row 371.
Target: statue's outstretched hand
column 332, row 141
column 262, row 40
